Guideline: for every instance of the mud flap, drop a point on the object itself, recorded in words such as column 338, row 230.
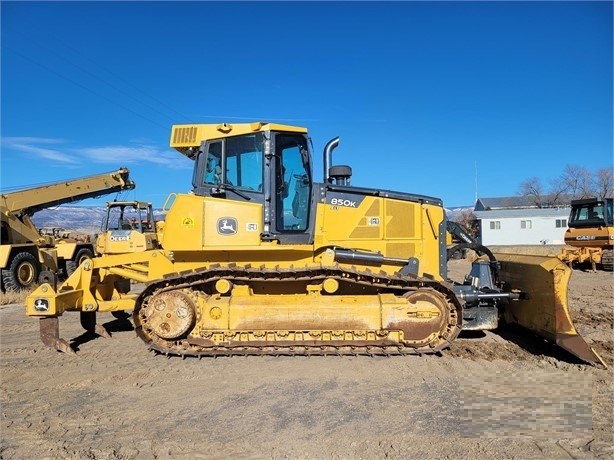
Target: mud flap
column 544, row 281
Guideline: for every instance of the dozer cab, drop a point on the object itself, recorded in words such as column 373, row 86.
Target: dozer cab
column 128, row 226
column 590, row 236
column 261, row 259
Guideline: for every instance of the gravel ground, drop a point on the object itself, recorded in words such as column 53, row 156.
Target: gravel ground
column 504, row 395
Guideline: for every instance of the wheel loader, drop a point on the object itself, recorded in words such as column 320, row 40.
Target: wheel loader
column 261, row 259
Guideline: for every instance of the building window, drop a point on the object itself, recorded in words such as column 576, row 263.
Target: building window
column 561, row 223
column 495, row 225
column 525, row 224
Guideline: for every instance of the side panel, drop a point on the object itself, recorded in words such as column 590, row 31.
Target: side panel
column 590, row 237
column 66, row 250
column 393, row 227
column 19, row 230
column 5, row 251
column 125, row 241
column 348, row 217
column 195, row 223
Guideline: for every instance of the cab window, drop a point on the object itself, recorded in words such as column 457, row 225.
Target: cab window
column 213, row 170
column 589, row 212
column 237, row 162
column 293, row 183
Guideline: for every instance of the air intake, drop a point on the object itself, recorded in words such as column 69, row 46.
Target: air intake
column 184, row 135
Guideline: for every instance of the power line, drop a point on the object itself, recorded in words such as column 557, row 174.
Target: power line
column 84, row 87
column 53, row 51
column 166, row 114
column 118, row 77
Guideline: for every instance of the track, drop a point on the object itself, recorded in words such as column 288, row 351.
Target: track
column 189, row 286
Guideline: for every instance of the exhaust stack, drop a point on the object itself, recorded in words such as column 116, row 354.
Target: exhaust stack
column 328, row 156
column 339, row 175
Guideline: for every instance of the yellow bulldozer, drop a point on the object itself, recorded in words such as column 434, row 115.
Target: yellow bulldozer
column 129, row 226
column 261, row 259
column 590, row 236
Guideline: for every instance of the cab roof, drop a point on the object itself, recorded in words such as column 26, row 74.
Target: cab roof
column 187, row 138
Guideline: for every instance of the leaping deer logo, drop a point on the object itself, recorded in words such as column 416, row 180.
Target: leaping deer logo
column 41, row 305
column 227, row 226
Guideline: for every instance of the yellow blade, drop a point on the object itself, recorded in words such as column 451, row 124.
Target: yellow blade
column 545, row 280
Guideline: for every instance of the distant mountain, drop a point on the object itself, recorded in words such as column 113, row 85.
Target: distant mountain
column 454, row 212
column 86, row 219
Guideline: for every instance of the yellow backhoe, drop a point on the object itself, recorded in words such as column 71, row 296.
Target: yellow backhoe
column 261, row 259
column 25, row 251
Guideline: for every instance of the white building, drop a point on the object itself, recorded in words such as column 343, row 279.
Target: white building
column 523, row 226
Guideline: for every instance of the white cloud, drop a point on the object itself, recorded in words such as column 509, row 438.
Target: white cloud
column 32, row 145
column 115, row 154
column 32, row 140
column 120, row 154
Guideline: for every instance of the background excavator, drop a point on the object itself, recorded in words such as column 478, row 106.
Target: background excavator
column 25, row 252
column 590, row 236
column 261, row 259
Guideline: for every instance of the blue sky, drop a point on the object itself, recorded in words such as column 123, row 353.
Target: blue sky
column 419, row 92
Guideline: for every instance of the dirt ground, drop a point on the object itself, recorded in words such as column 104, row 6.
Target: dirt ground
column 504, row 395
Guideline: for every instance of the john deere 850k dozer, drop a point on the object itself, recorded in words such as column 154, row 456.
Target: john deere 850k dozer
column 260, row 259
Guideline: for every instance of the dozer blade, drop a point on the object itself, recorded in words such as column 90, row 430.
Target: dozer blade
column 544, row 281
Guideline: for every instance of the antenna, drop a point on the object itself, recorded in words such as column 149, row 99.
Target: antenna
column 476, row 180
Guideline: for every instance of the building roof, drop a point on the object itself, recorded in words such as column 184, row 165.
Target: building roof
column 516, row 202
column 561, row 212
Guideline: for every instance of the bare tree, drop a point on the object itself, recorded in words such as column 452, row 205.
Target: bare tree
column 575, row 180
column 533, row 190
column 468, row 220
column 604, row 183
column 558, row 194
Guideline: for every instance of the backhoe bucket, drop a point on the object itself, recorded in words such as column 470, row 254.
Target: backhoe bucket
column 544, row 281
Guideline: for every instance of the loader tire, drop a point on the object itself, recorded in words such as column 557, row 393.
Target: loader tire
column 82, row 254
column 22, row 273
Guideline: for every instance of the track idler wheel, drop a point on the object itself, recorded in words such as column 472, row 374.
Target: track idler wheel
column 431, row 320
column 168, row 315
